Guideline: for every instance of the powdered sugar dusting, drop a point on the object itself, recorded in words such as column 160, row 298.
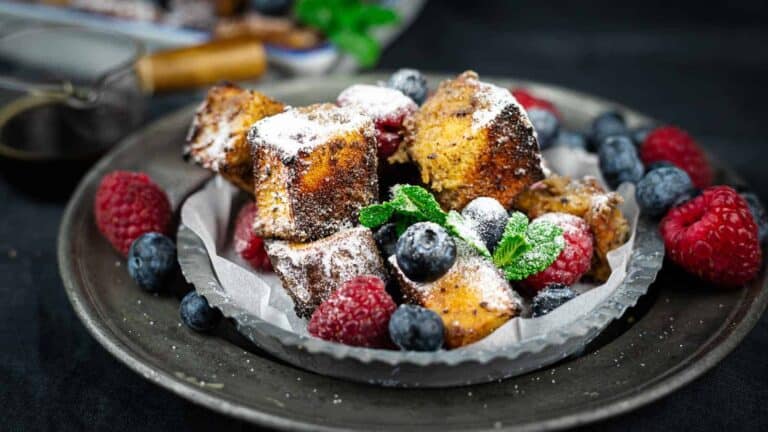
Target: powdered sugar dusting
column 305, row 128
column 376, row 101
column 310, row 272
column 493, row 99
column 488, row 281
column 569, row 223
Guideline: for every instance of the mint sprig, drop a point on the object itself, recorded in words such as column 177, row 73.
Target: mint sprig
column 411, row 204
column 527, row 249
column 347, row 24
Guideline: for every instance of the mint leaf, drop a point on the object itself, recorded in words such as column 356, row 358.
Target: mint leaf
column 375, row 215
column 360, row 45
column 417, row 202
column 459, row 227
column 513, row 242
column 373, row 15
column 546, row 240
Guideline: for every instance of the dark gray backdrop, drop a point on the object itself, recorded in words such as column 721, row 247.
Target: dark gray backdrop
column 702, row 67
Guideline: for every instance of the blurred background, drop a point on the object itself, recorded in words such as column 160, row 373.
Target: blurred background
column 100, row 69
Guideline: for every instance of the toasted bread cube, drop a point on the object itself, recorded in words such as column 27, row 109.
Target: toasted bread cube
column 473, row 298
column 588, row 200
column 315, row 168
column 310, row 272
column 217, row 138
column 472, row 139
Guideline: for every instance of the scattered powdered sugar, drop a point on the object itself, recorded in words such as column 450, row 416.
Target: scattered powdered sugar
column 569, row 223
column 305, row 128
column 310, row 272
column 488, row 217
column 376, row 101
column 487, row 280
column 221, row 141
column 493, row 99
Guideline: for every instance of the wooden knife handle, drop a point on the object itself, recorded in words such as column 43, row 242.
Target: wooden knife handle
column 202, row 65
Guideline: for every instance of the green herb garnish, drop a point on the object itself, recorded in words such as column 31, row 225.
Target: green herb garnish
column 411, row 204
column 347, row 24
column 527, row 249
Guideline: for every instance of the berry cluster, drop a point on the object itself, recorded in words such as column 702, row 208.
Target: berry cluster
column 133, row 213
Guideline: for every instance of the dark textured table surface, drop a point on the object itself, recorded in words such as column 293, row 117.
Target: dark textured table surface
column 703, row 68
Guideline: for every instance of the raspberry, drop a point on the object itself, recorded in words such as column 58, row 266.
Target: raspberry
column 714, row 237
column 127, row 205
column 674, row 145
column 356, row 314
column 573, row 261
column 528, row 101
column 247, row 244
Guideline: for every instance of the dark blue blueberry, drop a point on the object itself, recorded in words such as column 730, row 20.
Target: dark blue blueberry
column 425, row 252
column 272, row 7
column 415, row 328
column 546, row 125
column 619, row 161
column 411, row 82
column 661, row 188
column 639, row 134
column 386, row 239
column 571, row 139
column 152, row 261
column 606, row 124
column 659, row 164
column 489, row 219
column 197, row 314
column 758, row 212
column 550, row 298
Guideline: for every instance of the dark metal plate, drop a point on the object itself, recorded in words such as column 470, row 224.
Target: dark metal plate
column 677, row 332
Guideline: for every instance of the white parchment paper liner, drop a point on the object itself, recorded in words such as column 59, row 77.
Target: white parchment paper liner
column 257, row 301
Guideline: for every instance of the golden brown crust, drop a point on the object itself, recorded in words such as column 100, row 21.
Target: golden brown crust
column 217, row 137
column 467, row 146
column 473, row 298
column 586, row 199
column 319, row 190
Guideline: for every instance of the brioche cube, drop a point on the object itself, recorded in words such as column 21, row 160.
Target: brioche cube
column 315, row 168
column 472, row 139
column 217, row 138
column 310, row 272
column 473, row 298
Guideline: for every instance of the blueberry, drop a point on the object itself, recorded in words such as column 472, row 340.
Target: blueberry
column 272, row 7
column 758, row 213
column 607, row 124
column 197, row 314
column 425, row 252
column 386, row 239
column 619, row 161
column 489, row 218
column 415, row 328
column 152, row 261
column 661, row 188
column 411, row 82
column 659, row 164
column 571, row 139
column 546, row 125
column 550, row 298
column 639, row 134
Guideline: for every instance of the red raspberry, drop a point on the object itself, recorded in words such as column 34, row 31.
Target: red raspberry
column 714, row 237
column 573, row 261
column 356, row 314
column 675, row 146
column 528, row 101
column 127, row 205
column 247, row 244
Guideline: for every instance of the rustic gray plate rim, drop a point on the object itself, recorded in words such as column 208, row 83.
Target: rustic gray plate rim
column 71, row 273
